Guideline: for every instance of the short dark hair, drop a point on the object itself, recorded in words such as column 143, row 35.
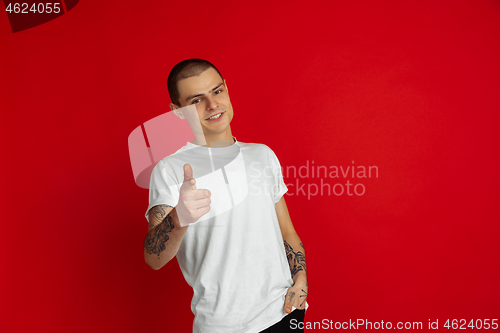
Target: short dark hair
column 183, row 70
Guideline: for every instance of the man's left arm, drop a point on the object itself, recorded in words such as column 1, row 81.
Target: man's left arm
column 296, row 255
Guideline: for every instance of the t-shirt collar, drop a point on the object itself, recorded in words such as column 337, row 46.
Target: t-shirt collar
column 195, row 145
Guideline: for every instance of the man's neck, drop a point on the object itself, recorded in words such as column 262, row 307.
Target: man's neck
column 222, row 140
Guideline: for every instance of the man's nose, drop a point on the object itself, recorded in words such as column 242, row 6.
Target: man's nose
column 211, row 103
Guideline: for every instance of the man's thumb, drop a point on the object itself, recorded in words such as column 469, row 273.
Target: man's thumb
column 288, row 303
column 188, row 174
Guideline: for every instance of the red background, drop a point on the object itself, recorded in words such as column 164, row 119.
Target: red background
column 409, row 86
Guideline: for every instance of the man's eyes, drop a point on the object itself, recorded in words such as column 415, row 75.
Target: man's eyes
column 199, row 99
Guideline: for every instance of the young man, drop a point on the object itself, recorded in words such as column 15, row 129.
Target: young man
column 217, row 205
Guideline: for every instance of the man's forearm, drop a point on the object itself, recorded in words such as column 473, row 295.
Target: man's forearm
column 296, row 255
column 163, row 240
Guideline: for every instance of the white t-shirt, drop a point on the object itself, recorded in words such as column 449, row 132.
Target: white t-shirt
column 233, row 257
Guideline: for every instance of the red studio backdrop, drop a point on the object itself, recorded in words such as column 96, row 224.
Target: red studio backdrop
column 406, row 89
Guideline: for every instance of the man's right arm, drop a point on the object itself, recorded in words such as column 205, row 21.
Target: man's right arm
column 164, row 236
column 167, row 225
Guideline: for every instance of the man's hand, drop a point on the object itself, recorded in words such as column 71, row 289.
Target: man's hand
column 296, row 296
column 193, row 203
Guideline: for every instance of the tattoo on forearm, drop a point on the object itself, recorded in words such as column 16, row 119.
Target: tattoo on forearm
column 159, row 212
column 296, row 260
column 156, row 241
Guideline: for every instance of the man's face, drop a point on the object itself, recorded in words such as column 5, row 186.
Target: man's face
column 209, row 93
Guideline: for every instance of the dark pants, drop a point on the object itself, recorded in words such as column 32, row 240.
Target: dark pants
column 287, row 325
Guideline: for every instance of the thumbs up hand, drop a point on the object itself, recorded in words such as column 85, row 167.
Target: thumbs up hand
column 193, row 203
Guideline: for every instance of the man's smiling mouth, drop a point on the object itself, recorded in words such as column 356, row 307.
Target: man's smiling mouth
column 215, row 116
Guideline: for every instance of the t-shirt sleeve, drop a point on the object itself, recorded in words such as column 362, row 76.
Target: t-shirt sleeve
column 279, row 188
column 163, row 189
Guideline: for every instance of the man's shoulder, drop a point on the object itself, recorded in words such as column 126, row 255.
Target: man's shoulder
column 259, row 151
column 256, row 146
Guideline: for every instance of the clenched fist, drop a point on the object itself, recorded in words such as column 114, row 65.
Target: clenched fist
column 193, row 203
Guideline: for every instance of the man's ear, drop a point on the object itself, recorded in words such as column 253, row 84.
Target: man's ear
column 225, row 84
column 177, row 112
